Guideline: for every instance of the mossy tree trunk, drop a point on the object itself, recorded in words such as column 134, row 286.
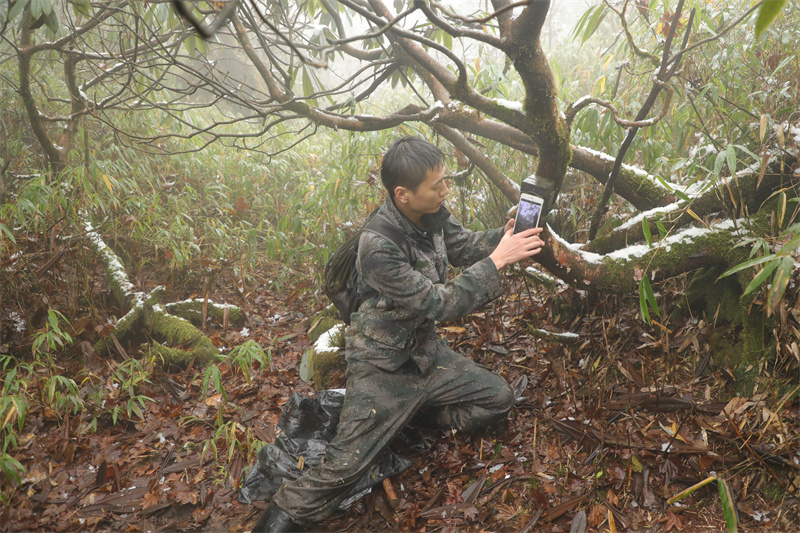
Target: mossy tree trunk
column 178, row 340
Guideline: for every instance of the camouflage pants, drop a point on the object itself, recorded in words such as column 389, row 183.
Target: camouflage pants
column 457, row 392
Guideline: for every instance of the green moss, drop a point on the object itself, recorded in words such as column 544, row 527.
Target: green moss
column 192, row 310
column 715, row 297
column 176, row 331
column 176, row 357
column 322, row 322
column 329, row 369
column 758, row 342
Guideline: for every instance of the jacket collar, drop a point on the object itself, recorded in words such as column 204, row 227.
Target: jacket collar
column 430, row 223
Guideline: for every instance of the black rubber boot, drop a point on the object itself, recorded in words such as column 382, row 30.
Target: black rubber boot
column 275, row 520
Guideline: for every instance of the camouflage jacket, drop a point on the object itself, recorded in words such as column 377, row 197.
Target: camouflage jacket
column 402, row 303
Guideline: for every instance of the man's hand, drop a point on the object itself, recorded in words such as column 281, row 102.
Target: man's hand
column 513, row 248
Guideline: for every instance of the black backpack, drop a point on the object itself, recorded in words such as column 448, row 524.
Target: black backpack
column 341, row 275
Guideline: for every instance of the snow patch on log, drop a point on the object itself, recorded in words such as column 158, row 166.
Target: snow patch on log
column 327, row 341
column 544, row 278
column 508, row 104
column 565, row 337
column 642, row 173
column 651, row 214
column 587, row 257
column 686, row 236
column 117, row 273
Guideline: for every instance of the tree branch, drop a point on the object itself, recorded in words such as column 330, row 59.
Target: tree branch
column 659, row 82
column 509, row 189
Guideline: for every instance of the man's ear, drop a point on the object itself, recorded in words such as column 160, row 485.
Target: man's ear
column 401, row 194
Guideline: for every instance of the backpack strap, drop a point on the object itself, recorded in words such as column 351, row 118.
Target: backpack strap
column 382, row 226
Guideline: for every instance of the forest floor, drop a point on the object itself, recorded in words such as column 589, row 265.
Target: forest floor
column 609, row 426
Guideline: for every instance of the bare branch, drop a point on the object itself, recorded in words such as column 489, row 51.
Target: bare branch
column 576, row 106
column 661, row 78
column 464, row 32
column 631, row 42
column 480, row 160
column 206, row 32
column 483, row 20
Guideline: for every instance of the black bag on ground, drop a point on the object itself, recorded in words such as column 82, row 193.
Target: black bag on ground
column 340, row 282
column 307, row 426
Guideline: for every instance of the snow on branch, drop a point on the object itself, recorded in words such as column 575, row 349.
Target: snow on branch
column 621, row 270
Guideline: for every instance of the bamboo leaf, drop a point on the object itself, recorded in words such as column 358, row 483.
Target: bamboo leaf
column 661, row 229
column 643, row 302
column 682, row 196
column 766, row 15
column 594, row 22
column 646, row 230
column 447, row 40
column 791, row 246
column 108, row 183
column 730, row 156
column 84, row 7
column 191, row 45
column 651, row 298
column 694, row 216
column 589, row 22
column 307, row 365
column 746, row 264
column 761, row 277
column 728, row 506
column 779, row 282
column 684, row 493
column 719, row 162
column 7, row 231
column 308, row 87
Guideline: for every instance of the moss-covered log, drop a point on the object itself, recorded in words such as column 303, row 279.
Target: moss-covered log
column 739, row 195
column 324, row 362
column 186, row 341
column 326, row 358
column 192, row 310
column 620, row 272
column 322, row 322
column 182, row 341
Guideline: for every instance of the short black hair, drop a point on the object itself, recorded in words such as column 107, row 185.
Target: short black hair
column 407, row 161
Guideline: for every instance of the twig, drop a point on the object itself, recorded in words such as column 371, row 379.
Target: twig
column 206, row 32
column 659, row 83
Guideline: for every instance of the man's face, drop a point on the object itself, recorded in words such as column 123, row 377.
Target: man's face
column 426, row 199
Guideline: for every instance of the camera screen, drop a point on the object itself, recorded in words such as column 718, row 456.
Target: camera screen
column 527, row 215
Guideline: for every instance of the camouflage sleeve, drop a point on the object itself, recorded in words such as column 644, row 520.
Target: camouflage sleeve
column 386, row 269
column 465, row 247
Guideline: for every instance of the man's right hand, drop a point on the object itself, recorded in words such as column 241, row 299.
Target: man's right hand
column 513, row 248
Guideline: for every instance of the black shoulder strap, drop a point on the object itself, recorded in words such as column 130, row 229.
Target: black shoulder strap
column 382, row 226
